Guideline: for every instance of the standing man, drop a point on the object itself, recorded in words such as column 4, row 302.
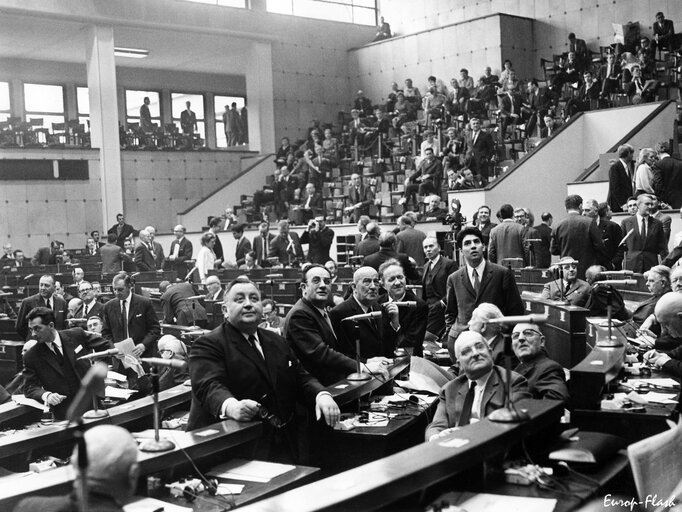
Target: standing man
column 611, row 234
column 320, row 238
column 180, row 251
column 215, row 226
column 44, row 298
column 437, row 269
column 261, row 243
column 577, row 236
column 144, row 253
column 480, row 149
column 52, row 372
column 507, row 238
column 621, row 179
column 238, row 370
column 159, row 257
column 145, row 116
column 129, row 315
column 484, row 223
column 122, row 230
column 243, row 245
column 544, row 230
column 286, row 246
column 666, row 221
column 410, row 239
column 476, row 282
column 231, row 118
column 645, row 238
column 360, row 197
column 188, row 121
column 667, row 180
column 370, row 244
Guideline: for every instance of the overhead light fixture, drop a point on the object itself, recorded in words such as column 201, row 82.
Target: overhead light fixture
column 131, row 53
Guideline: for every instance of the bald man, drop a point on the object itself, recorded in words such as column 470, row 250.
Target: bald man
column 111, row 474
column 374, row 341
column 172, row 348
column 478, row 391
column 180, row 251
column 668, row 312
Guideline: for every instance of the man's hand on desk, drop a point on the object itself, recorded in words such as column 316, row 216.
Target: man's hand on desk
column 442, row 433
column 53, row 399
column 326, row 406
column 657, row 359
column 240, row 410
column 378, row 366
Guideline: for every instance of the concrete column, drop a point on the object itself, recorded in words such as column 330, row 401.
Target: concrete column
column 260, row 98
column 209, row 115
column 16, row 92
column 101, row 69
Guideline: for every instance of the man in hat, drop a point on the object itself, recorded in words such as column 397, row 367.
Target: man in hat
column 567, row 286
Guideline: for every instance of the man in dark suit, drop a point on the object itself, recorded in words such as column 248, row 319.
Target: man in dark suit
column 664, row 33
column 214, row 290
column 370, row 244
column 387, row 251
column 180, row 251
column 215, row 226
column 144, row 253
column 458, row 404
column 311, row 204
column 480, row 149
column 157, row 250
column 410, row 240
column 408, row 322
column 261, row 243
column 309, row 332
column 286, row 246
column 569, row 287
column 285, row 192
column 44, row 298
column 47, row 255
column 477, row 282
column 645, row 239
column 544, row 230
column 188, row 120
column 112, row 256
column 577, row 236
column 243, row 245
column 374, row 340
column 579, row 47
column 360, row 197
column 177, row 306
column 319, row 238
column 621, row 178
column 546, row 378
column 239, row 370
column 437, row 269
column 425, row 180
column 52, row 372
column 121, row 230
column 507, row 238
column 90, row 305
column 611, row 234
column 667, row 180
column 129, row 315
column 484, row 223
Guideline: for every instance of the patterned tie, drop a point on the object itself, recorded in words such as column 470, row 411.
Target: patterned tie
column 465, row 416
column 124, row 319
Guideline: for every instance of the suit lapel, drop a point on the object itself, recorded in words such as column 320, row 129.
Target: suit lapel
column 466, row 283
column 50, row 358
column 490, row 389
column 485, row 279
column 242, row 345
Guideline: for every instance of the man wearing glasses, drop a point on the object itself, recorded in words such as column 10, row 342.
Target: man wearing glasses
column 546, row 378
column 241, row 372
column 90, row 306
column 567, row 286
column 44, row 298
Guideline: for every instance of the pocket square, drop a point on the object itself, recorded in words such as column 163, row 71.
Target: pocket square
column 78, row 349
column 138, row 316
column 290, row 363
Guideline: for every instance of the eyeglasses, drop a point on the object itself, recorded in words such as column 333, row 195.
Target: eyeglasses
column 83, row 290
column 167, row 352
column 527, row 333
column 569, row 265
column 265, row 415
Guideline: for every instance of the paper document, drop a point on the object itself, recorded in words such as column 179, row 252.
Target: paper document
column 483, row 502
column 125, row 348
column 250, row 470
column 111, row 374
column 21, row 399
column 664, row 382
column 112, row 392
column 148, row 504
column 227, row 489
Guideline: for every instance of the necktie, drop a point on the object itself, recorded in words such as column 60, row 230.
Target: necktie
column 329, row 322
column 58, row 353
column 253, row 342
column 476, row 283
column 85, row 310
column 465, row 416
column 265, row 248
column 124, row 319
column 47, row 304
column 643, row 232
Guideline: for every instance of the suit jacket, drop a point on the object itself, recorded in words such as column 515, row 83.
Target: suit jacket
column 159, row 257
column 481, row 151
column 258, row 247
column 96, row 309
column 315, row 344
column 620, row 186
column 144, row 258
column 113, row 258
column 452, row 395
column 218, row 297
column 243, row 247
column 44, row 256
column 577, row 236
column 546, row 378
column 287, row 252
column 223, row 365
column 143, row 326
column 126, row 231
column 218, row 249
column 43, row 371
column 188, row 121
column 577, row 293
column 368, row 246
column 643, row 254
column 432, row 171
column 667, row 181
column 435, row 280
column 316, row 203
column 184, row 253
column 178, row 310
column 285, row 190
column 611, row 234
column 543, row 256
column 497, row 287
column 506, row 241
column 374, row 341
column 59, row 307
column 412, row 324
column 375, row 260
column 364, row 196
column 410, row 243
column 320, row 242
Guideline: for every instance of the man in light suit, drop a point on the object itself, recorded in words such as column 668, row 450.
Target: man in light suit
column 243, row 245
column 44, row 298
column 507, row 238
column 180, row 251
column 52, row 372
column 286, row 246
column 477, row 282
column 645, row 243
column 574, row 290
column 144, row 253
column 621, row 178
column 159, row 257
column 478, row 391
column 437, row 269
column 238, row 369
column 261, row 244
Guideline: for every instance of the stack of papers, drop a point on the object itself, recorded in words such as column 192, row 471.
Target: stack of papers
column 147, row 504
column 250, row 470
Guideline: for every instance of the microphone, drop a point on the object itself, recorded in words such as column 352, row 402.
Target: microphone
column 189, row 274
column 92, row 383
column 616, row 273
column 533, row 240
column 364, row 316
column 525, row 319
column 178, row 364
column 96, row 355
column 632, row 282
column 195, row 297
column 26, row 278
column 412, row 304
column 626, row 237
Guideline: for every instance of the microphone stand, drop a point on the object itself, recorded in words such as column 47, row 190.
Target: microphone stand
column 562, row 289
column 95, row 413
column 610, row 342
column 156, row 444
column 358, row 376
column 509, row 413
column 79, row 434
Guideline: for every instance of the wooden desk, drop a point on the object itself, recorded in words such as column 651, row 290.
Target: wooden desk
column 24, row 442
column 221, row 436
column 346, row 391
column 368, row 487
column 564, row 332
